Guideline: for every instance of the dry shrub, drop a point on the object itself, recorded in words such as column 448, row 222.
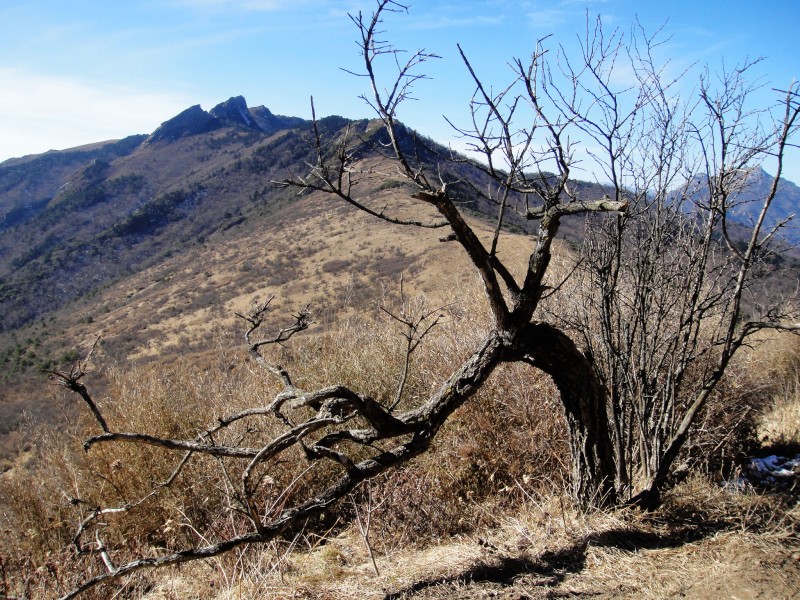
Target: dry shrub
column 755, row 407
column 777, row 364
column 509, row 436
column 725, row 432
column 504, row 447
column 36, row 521
column 507, row 441
column 779, row 426
column 41, row 519
column 706, row 506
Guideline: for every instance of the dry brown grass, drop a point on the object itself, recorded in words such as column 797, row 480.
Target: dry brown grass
column 481, row 515
column 706, row 541
column 437, row 496
column 543, row 549
column 779, row 424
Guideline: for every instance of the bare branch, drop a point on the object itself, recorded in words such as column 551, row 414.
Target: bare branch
column 417, row 322
column 574, row 208
column 338, row 178
column 72, row 381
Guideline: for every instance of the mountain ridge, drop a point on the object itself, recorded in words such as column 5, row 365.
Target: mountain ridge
column 108, row 212
column 74, row 220
column 154, row 240
column 65, row 213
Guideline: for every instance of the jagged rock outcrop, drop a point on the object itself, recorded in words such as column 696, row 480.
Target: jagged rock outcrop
column 192, row 121
column 234, row 112
column 231, row 113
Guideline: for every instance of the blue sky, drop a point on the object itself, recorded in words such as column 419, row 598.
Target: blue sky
column 79, row 71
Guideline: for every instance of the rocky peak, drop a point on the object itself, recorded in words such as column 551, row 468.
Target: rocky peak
column 192, row 121
column 234, row 112
column 231, row 113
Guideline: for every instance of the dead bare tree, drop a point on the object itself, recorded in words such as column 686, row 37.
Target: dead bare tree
column 659, row 299
column 527, row 135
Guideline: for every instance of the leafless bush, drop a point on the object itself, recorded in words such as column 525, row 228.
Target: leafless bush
column 434, row 495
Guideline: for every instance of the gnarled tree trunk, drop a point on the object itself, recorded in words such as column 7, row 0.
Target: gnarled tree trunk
column 584, row 399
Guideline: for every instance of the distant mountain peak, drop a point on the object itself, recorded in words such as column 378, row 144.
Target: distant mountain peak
column 192, row 121
column 748, row 188
column 234, row 111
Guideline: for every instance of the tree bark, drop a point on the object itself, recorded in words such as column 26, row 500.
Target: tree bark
column 593, row 466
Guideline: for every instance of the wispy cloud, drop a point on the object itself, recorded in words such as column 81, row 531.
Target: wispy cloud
column 551, row 15
column 39, row 113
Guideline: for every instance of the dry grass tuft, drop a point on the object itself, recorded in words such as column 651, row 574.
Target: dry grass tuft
column 768, row 377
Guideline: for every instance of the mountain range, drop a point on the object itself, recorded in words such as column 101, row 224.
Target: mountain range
column 72, row 221
column 153, row 242
column 126, row 238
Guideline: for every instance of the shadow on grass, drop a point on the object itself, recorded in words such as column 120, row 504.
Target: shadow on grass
column 550, row 568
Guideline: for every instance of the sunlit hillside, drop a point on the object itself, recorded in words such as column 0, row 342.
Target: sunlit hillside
column 171, row 246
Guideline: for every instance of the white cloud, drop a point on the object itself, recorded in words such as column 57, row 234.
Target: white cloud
column 40, row 113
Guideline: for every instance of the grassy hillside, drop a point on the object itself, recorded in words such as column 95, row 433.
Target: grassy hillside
column 153, row 245
column 155, row 250
column 482, row 515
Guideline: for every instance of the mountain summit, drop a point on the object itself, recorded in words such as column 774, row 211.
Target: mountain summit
column 752, row 185
column 233, row 112
column 192, row 121
column 784, row 207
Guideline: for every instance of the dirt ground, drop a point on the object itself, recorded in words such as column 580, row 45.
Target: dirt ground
column 731, row 565
column 708, row 544
column 734, row 565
